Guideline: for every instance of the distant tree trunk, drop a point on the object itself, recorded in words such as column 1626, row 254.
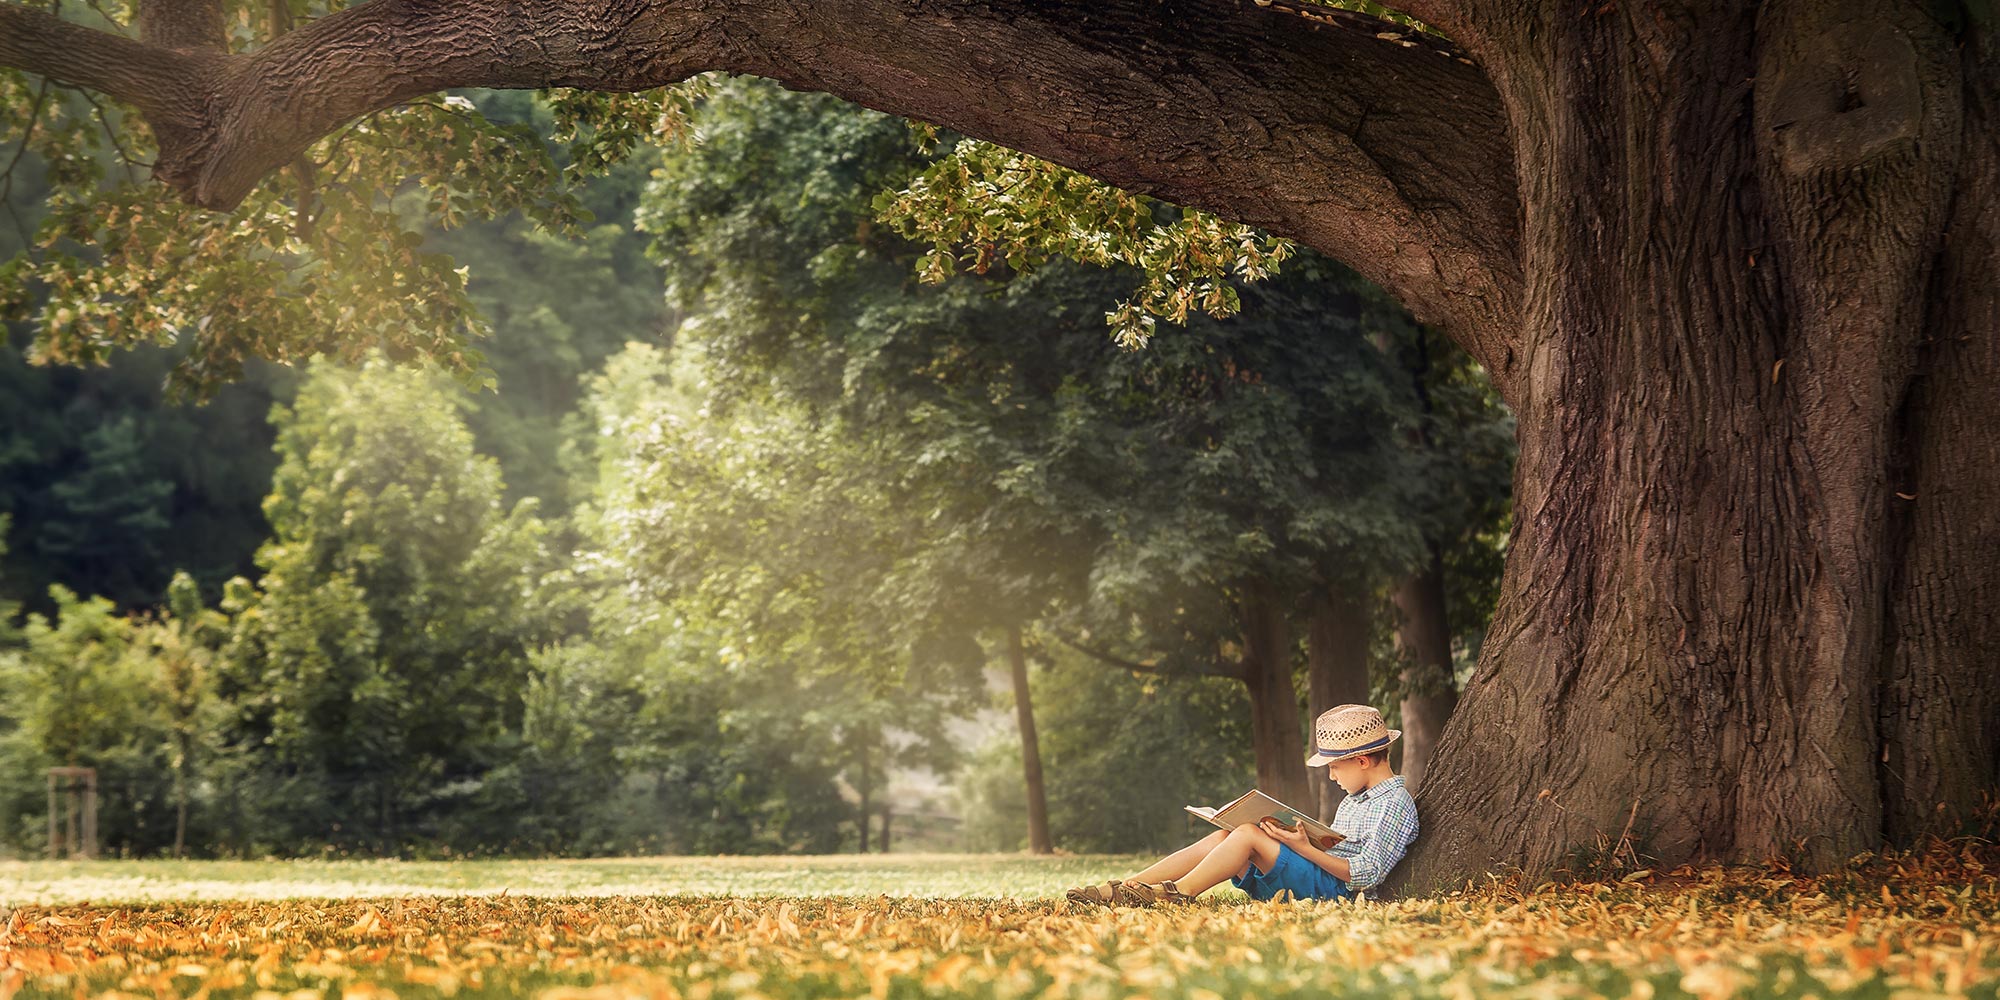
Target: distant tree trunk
column 1031, row 753
column 888, row 810
column 863, row 786
column 1423, row 645
column 1274, row 699
column 1336, row 672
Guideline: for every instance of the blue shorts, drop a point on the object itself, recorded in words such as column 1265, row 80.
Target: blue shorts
column 1294, row 872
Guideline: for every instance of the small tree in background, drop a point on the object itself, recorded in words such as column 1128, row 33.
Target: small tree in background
column 80, row 695
column 750, row 538
column 376, row 669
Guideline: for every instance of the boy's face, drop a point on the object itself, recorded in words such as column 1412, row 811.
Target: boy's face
column 1350, row 773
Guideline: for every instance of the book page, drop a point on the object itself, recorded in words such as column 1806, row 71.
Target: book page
column 1254, row 806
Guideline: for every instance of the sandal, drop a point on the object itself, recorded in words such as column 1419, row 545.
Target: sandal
column 1107, row 894
column 1151, row 894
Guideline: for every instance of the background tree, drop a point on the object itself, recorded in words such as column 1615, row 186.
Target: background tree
column 1061, row 480
column 79, row 694
column 557, row 306
column 743, row 524
column 112, row 487
column 183, row 645
column 377, row 666
column 1124, row 753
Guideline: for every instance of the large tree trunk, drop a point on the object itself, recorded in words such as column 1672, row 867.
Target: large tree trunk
column 1941, row 688
column 1031, row 752
column 1751, row 579
column 1423, row 644
column 1274, row 699
column 1336, row 671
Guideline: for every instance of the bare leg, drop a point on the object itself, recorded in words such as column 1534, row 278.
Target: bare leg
column 1181, row 862
column 1230, row 858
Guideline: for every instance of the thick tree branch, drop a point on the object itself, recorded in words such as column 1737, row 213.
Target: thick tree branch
column 195, row 25
column 128, row 69
column 1390, row 154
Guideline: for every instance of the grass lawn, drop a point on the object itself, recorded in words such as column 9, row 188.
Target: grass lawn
column 983, row 926
column 996, row 875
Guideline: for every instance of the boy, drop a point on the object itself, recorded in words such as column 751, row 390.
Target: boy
column 1378, row 818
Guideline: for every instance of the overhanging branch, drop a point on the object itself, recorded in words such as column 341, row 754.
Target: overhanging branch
column 1390, row 154
column 130, row 70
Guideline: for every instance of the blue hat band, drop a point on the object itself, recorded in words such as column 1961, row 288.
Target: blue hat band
column 1364, row 748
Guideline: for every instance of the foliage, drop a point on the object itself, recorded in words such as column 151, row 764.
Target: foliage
column 81, row 693
column 1884, row 928
column 1050, row 466
column 652, row 741
column 112, row 487
column 726, row 541
column 1039, row 472
column 1123, row 754
column 377, row 668
column 1002, row 206
column 558, row 306
column 922, row 466
column 69, row 434
column 8, row 609
column 320, row 258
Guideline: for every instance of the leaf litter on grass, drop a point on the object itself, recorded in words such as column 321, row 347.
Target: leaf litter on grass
column 58, row 882
column 1895, row 929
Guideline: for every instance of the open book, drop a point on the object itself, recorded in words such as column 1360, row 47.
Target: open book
column 1254, row 806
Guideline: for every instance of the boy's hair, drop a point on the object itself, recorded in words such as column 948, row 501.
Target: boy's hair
column 1373, row 757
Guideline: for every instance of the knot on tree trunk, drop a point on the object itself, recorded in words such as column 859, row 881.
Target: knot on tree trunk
column 1843, row 98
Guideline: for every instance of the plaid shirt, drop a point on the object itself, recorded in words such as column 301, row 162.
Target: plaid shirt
column 1379, row 823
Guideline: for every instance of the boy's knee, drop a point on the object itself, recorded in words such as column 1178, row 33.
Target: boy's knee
column 1248, row 833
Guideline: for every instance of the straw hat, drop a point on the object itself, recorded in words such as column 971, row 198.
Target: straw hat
column 1347, row 731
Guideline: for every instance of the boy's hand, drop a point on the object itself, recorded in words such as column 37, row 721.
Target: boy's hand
column 1288, row 836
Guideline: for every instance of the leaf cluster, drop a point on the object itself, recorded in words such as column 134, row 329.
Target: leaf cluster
column 984, row 204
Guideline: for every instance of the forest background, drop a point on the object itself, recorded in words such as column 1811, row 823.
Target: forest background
column 754, row 520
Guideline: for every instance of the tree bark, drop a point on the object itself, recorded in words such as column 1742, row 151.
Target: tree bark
column 1031, row 752
column 1336, row 671
column 1737, row 595
column 180, row 826
column 1941, row 694
column 1423, row 645
column 865, row 786
column 1274, row 699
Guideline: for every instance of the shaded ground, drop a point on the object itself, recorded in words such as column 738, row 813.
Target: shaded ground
column 1881, row 930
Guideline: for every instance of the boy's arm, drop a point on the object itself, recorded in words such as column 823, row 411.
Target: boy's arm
column 1302, row 845
column 1385, row 848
